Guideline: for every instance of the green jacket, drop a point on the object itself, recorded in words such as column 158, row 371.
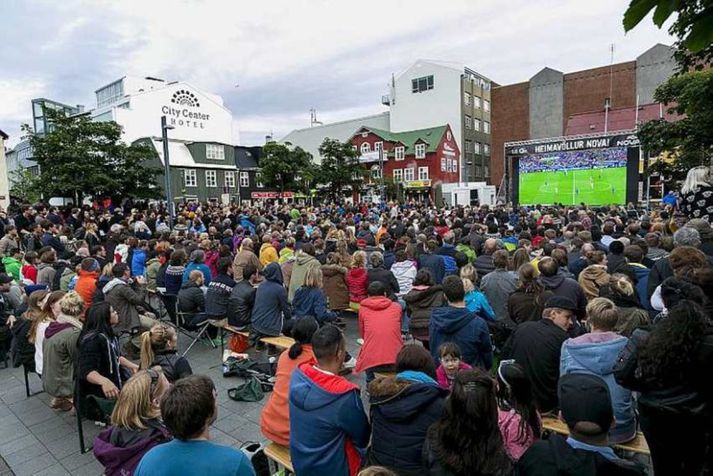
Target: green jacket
column 12, row 267
column 152, row 267
column 299, row 271
column 467, row 250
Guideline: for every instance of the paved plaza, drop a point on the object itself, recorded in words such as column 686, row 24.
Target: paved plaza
column 36, row 440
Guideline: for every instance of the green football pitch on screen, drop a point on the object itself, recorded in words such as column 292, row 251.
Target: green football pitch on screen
column 591, row 186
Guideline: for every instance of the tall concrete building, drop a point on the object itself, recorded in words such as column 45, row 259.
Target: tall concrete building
column 433, row 93
column 553, row 103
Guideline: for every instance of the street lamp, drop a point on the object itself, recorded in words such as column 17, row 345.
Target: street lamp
column 167, row 169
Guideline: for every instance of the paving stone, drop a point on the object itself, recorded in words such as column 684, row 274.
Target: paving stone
column 19, row 443
column 91, row 469
column 35, row 465
column 54, row 470
column 27, row 453
column 77, row 460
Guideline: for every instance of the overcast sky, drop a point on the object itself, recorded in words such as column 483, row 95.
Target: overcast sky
column 288, row 56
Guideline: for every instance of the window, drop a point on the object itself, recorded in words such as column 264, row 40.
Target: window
column 486, row 149
column 365, row 148
column 399, row 153
column 110, row 93
column 423, row 173
column 477, row 147
column 467, row 97
column 478, row 172
column 420, row 151
column 258, row 181
column 398, row 175
column 476, row 102
column 214, row 152
column 244, row 179
column 486, row 127
column 477, row 124
column 468, row 122
column 408, row 175
column 375, row 172
column 189, row 178
column 486, row 105
column 469, row 145
column 210, row 178
column 378, row 146
column 420, row 85
column 229, row 180
column 443, row 165
column 487, row 170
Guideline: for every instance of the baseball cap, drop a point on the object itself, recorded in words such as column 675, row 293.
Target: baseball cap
column 585, row 397
column 561, row 302
column 5, row 278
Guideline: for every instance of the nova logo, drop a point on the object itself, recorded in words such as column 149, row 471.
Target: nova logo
column 185, row 98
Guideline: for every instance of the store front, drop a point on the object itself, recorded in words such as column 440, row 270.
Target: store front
column 420, row 191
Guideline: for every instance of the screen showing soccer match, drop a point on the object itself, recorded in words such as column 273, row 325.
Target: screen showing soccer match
column 595, row 177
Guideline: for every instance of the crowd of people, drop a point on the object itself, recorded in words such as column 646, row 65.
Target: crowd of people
column 474, row 324
column 574, row 160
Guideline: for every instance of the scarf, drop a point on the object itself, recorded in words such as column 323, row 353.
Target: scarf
column 415, row 376
column 65, row 319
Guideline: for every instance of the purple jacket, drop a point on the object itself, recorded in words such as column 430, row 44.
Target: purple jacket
column 443, row 378
column 121, row 461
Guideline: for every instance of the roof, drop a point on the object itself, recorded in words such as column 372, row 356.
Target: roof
column 180, row 156
column 619, row 119
column 3, row 135
column 247, row 157
column 430, row 136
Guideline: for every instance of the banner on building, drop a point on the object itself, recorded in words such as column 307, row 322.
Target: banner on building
column 417, row 184
column 562, row 145
column 271, row 195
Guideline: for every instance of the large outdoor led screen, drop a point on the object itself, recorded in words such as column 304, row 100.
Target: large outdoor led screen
column 595, row 177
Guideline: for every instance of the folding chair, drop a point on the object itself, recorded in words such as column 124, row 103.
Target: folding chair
column 27, row 371
column 78, row 411
column 202, row 331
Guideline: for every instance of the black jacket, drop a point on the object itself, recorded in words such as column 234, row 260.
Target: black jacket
column 191, row 299
column 554, row 456
column 97, row 352
column 434, row 263
column 420, row 304
column 23, row 351
column 566, row 287
column 385, row 277
column 536, row 346
column 401, row 413
column 483, row 265
column 174, row 366
column 240, row 304
column 216, row 299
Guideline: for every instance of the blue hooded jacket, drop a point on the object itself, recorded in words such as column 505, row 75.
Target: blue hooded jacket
column 475, row 301
column 597, row 354
column 271, row 304
column 311, row 302
column 329, row 430
column 138, row 262
column 466, row 329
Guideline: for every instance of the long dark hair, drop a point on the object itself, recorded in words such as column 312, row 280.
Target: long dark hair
column 98, row 320
column 672, row 343
column 515, row 393
column 466, row 439
column 302, row 333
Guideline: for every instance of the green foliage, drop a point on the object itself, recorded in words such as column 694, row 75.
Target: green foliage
column 285, row 168
column 693, row 27
column 24, row 185
column 79, row 157
column 691, row 137
column 340, row 171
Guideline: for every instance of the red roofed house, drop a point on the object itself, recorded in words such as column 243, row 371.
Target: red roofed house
column 418, row 161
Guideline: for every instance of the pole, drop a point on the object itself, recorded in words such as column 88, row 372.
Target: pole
column 167, row 171
column 381, row 165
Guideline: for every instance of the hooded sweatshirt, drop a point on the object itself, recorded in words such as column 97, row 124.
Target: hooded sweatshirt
column 271, row 305
column 465, row 328
column 299, row 271
column 311, row 302
column 597, row 353
column 86, row 286
column 566, row 287
column 138, row 262
column 12, row 267
column 591, row 279
column 401, row 412
column 380, row 327
column 328, row 427
column 120, row 450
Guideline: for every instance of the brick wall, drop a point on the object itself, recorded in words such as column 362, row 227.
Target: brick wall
column 511, row 121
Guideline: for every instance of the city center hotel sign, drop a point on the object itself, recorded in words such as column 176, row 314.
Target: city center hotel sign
column 181, row 112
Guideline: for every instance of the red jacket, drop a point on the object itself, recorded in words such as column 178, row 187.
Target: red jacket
column 380, row 327
column 357, row 282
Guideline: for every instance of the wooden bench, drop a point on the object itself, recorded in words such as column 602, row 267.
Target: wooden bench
column 278, row 456
column 637, row 445
column 281, row 342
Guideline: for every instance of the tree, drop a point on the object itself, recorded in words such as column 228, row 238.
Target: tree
column 693, row 27
column 340, row 168
column 78, row 157
column 285, row 168
column 24, row 185
column 690, row 137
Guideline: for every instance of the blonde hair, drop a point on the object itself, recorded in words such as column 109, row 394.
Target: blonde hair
column 602, row 314
column 469, row 272
column 376, row 471
column 621, row 284
column 155, row 339
column 468, row 285
column 71, row 304
column 313, row 277
column 135, row 403
column 359, row 259
column 107, row 270
column 697, row 177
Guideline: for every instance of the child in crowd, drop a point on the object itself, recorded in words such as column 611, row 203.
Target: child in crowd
column 475, row 300
column 518, row 418
column 451, row 364
column 158, row 348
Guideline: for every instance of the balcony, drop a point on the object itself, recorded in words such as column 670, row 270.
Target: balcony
column 386, row 100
